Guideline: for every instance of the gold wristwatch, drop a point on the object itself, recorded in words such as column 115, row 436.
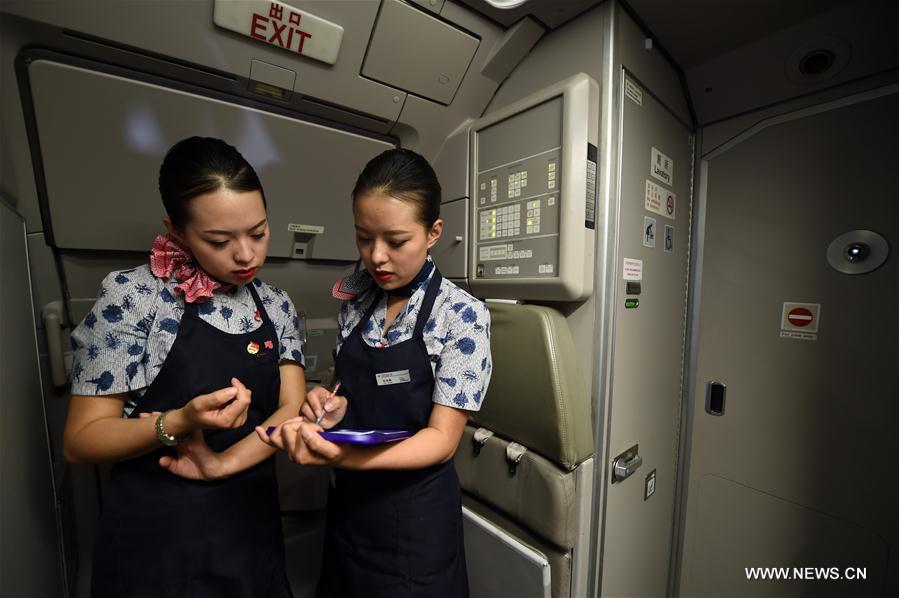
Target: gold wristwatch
column 163, row 436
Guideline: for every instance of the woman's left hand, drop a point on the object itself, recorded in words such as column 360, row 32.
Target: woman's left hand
column 195, row 460
column 301, row 440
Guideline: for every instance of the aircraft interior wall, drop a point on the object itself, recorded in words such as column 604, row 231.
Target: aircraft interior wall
column 796, row 393
column 651, row 396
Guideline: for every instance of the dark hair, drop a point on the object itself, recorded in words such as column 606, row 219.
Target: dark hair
column 405, row 175
column 198, row 165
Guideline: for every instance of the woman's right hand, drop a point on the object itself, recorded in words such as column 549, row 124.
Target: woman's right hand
column 320, row 404
column 225, row 408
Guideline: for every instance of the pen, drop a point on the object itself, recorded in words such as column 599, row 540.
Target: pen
column 318, row 420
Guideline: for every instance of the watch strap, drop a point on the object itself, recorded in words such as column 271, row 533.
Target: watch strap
column 163, row 436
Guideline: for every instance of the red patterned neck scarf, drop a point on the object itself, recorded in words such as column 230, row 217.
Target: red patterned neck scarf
column 168, row 256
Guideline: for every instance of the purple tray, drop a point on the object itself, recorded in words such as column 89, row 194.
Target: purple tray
column 365, row 436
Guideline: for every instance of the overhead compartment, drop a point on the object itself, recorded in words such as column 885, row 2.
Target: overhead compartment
column 102, row 138
column 415, row 52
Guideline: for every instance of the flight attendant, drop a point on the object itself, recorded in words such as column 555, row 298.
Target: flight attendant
column 174, row 366
column 413, row 353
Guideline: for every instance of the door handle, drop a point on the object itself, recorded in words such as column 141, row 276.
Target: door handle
column 714, row 397
column 625, row 464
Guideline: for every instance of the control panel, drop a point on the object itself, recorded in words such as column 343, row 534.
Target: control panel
column 534, row 176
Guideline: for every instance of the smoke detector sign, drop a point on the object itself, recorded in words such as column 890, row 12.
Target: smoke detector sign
column 659, row 200
column 800, row 320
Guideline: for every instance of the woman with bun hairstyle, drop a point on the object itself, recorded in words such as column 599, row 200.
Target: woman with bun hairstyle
column 176, row 363
column 412, row 354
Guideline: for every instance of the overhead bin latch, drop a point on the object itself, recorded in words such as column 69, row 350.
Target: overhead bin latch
column 514, row 453
column 479, row 439
column 303, row 239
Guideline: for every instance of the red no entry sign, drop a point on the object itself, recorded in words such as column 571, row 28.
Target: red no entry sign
column 800, row 317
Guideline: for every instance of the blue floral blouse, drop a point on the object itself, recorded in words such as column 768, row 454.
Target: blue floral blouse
column 121, row 345
column 457, row 337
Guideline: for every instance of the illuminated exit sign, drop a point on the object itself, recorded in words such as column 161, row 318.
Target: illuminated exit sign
column 282, row 26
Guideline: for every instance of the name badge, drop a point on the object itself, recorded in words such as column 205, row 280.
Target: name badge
column 397, row 377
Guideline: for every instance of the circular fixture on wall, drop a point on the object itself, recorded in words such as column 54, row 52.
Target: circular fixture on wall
column 818, row 60
column 858, row 252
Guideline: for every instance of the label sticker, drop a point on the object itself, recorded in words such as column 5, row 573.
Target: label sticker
column 388, row 378
column 590, row 208
column 310, row 229
column 653, row 199
column 649, row 484
column 633, row 269
column 633, row 92
column 649, row 232
column 670, row 200
column 661, row 167
column 801, row 318
column 669, row 238
column 803, row 336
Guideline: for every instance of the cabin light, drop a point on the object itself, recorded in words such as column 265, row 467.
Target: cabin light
column 857, row 252
column 506, row 4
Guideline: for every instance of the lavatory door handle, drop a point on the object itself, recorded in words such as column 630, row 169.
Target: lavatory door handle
column 625, row 464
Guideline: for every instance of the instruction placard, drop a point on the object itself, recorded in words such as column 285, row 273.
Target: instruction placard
column 660, row 200
column 669, row 238
column 633, row 269
column 649, row 232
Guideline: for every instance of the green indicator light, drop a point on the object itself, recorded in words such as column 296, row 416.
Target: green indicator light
column 631, row 303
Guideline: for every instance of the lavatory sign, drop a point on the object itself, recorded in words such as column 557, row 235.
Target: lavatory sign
column 661, row 167
column 282, row 26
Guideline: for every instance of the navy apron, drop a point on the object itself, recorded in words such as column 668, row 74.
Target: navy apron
column 163, row 536
column 392, row 533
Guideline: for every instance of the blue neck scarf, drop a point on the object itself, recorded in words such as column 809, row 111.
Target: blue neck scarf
column 408, row 289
